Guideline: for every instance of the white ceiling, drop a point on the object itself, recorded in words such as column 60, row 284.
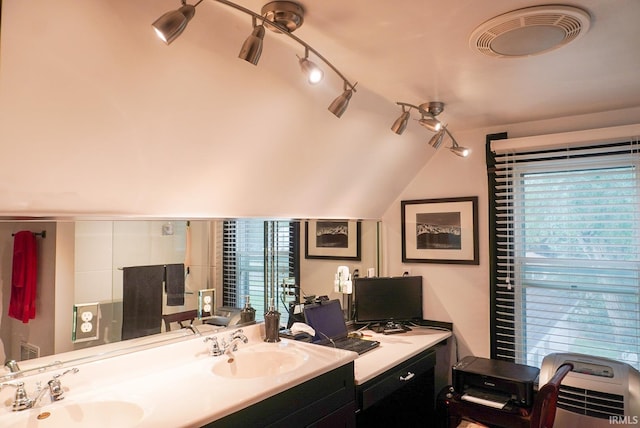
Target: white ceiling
column 418, row 50
column 112, row 121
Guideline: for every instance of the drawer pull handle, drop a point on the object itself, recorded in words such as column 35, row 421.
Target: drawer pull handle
column 409, row 376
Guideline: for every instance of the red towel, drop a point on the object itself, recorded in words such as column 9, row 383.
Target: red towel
column 22, row 304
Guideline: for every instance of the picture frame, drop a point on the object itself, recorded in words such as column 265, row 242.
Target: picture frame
column 332, row 239
column 441, row 230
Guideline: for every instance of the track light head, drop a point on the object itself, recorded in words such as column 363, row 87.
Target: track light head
column 401, row 122
column 252, row 46
column 456, row 148
column 437, row 139
column 170, row 25
column 431, row 123
column 313, row 72
column 340, row 104
column 463, row 152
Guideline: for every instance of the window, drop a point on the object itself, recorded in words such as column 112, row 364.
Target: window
column 566, row 252
column 261, row 260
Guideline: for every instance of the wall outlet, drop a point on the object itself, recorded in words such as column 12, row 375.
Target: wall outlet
column 206, row 303
column 86, row 319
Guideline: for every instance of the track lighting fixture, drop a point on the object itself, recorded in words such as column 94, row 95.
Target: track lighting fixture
column 401, row 122
column 282, row 17
column 431, row 123
column 428, row 112
column 252, row 46
column 170, row 25
column 340, row 104
column 437, row 139
column 456, row 149
column 313, row 72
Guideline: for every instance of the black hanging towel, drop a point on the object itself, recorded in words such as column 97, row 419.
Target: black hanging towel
column 175, row 284
column 141, row 300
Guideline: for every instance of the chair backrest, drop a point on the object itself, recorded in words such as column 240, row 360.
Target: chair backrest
column 544, row 407
column 179, row 317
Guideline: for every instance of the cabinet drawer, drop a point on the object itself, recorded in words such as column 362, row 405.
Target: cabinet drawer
column 404, row 374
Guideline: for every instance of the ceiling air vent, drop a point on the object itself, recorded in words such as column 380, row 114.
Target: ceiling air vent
column 530, row 31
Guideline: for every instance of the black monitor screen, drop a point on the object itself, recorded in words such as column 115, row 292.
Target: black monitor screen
column 388, row 299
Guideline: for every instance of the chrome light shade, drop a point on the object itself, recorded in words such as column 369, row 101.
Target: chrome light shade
column 431, row 123
column 340, row 104
column 170, row 25
column 401, row 122
column 437, row 139
column 463, row 152
column 252, row 46
column 313, row 72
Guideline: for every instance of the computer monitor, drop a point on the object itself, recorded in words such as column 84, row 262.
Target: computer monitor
column 388, row 299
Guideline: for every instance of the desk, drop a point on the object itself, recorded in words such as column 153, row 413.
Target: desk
column 395, row 381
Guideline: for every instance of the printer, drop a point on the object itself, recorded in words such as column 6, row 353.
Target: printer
column 488, row 381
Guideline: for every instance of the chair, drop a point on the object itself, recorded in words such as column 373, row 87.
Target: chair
column 179, row 317
column 543, row 412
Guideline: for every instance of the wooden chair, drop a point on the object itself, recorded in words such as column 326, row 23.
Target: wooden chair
column 179, row 317
column 543, row 412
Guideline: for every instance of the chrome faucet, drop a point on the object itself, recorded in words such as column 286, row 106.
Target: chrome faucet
column 226, row 347
column 234, row 339
column 12, row 365
column 215, row 347
column 22, row 400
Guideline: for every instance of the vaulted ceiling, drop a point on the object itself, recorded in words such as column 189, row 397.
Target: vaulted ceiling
column 97, row 116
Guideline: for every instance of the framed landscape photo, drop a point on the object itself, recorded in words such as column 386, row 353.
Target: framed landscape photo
column 332, row 239
column 440, row 230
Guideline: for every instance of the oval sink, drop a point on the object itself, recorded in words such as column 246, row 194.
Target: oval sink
column 104, row 414
column 258, row 364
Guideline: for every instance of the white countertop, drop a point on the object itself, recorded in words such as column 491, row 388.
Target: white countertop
column 173, row 385
column 394, row 349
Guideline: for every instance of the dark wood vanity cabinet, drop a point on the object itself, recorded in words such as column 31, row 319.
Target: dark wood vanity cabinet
column 402, row 396
column 326, row 401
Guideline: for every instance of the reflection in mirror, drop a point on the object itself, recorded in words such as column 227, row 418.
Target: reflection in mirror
column 82, row 264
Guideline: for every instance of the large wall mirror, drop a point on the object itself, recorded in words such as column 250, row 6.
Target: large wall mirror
column 81, row 263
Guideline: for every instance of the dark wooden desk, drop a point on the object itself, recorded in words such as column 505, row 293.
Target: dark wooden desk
column 457, row 409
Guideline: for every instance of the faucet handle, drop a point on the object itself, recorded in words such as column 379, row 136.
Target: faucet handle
column 215, row 347
column 21, row 400
column 55, row 386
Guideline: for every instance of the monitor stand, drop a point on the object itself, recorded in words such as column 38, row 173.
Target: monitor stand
column 390, row 327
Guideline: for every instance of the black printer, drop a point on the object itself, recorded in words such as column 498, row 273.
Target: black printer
column 502, row 378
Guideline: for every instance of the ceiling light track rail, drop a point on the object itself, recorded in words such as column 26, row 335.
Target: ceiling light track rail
column 170, row 25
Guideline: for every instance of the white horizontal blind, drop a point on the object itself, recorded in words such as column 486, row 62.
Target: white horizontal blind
column 257, row 256
column 567, row 252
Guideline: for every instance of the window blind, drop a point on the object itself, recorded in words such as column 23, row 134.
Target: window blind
column 566, row 252
column 258, row 257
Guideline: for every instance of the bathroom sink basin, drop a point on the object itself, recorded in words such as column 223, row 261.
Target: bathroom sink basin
column 258, row 363
column 104, row 414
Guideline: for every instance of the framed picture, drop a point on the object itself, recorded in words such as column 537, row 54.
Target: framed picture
column 332, row 239
column 440, row 231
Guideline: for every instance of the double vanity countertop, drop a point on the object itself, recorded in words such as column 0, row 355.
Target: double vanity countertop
column 180, row 385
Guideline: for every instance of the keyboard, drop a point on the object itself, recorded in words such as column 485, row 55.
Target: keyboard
column 354, row 344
